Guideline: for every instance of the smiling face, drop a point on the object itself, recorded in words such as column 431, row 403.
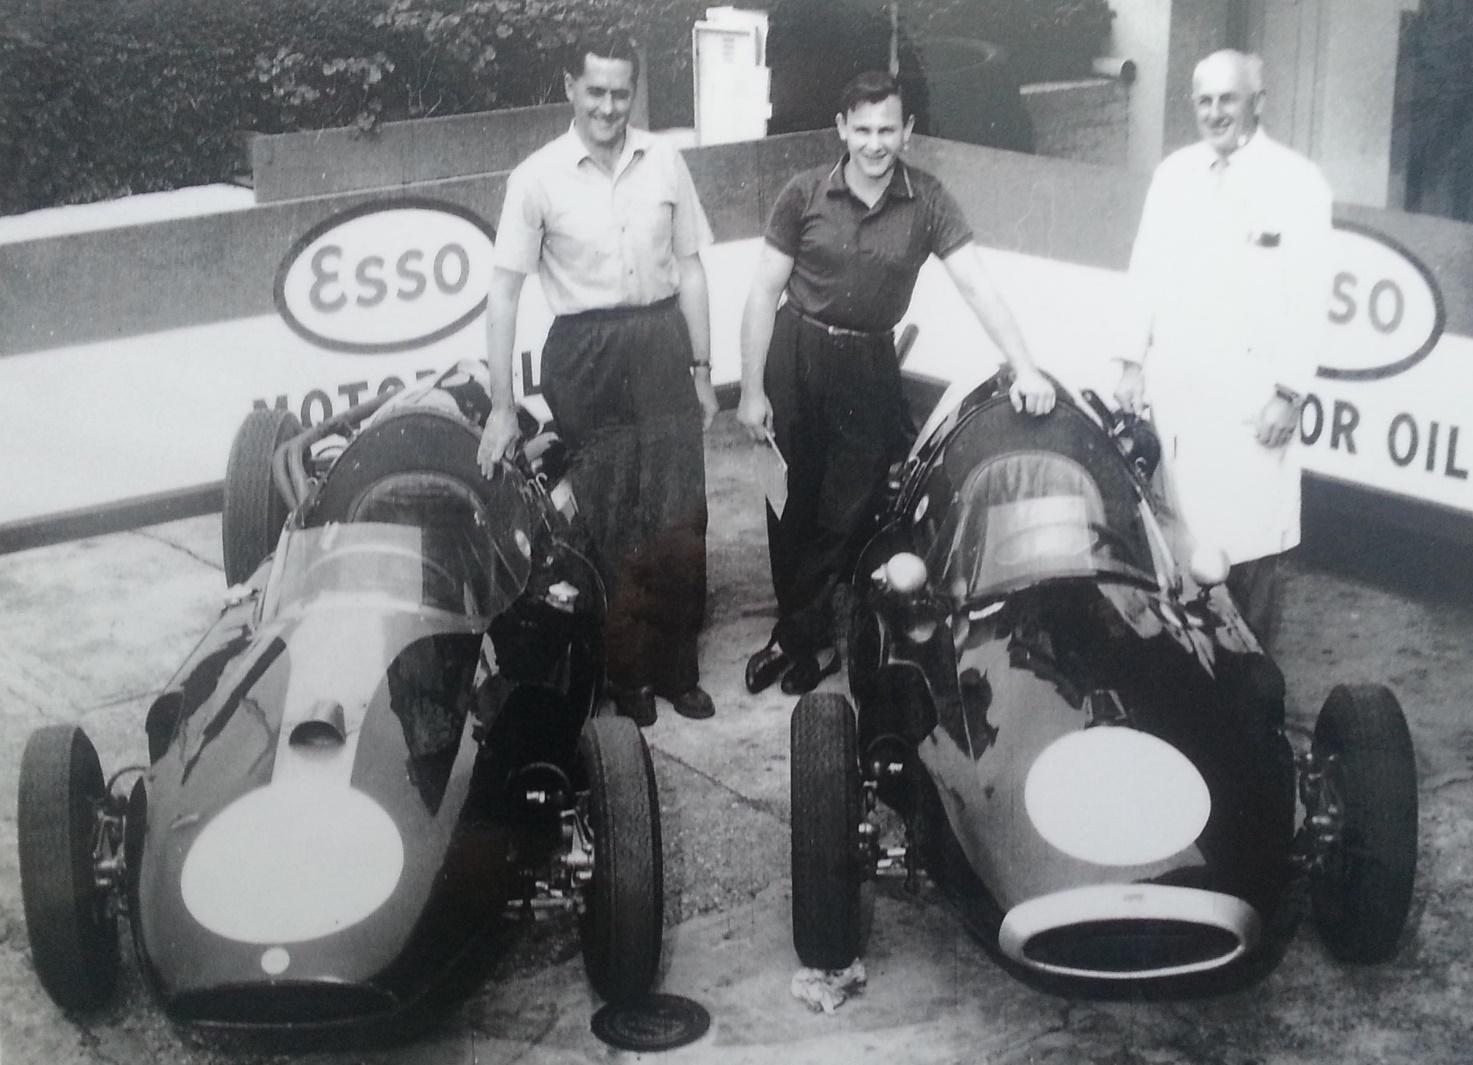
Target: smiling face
column 601, row 97
column 1227, row 102
column 874, row 133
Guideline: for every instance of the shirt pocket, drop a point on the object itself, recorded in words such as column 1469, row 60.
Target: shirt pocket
column 582, row 231
column 648, row 225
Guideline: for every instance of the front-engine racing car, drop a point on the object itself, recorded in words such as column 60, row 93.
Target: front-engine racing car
column 386, row 740
column 1083, row 745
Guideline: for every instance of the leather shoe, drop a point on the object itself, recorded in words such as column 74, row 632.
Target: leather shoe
column 806, row 672
column 766, row 666
column 694, row 704
column 637, row 704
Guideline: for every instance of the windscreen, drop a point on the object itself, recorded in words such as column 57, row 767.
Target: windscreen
column 1029, row 516
column 381, row 565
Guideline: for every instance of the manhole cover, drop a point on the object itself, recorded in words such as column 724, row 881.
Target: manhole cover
column 655, row 1022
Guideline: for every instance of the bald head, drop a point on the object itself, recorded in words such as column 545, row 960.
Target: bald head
column 1227, row 95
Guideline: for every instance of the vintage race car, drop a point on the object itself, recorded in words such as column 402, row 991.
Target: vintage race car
column 1083, row 742
column 386, row 740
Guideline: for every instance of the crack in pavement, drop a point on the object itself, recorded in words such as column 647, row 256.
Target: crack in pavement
column 180, row 548
column 758, row 805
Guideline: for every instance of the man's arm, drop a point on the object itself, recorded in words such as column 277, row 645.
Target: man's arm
column 1031, row 391
column 773, row 270
column 1301, row 310
column 695, row 307
column 501, row 433
column 1148, row 257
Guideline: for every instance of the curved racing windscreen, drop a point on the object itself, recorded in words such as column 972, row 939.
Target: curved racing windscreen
column 416, row 540
column 1030, row 500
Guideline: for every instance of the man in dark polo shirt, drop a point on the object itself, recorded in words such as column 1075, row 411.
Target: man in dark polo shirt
column 820, row 373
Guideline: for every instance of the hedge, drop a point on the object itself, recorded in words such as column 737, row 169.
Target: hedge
column 98, row 101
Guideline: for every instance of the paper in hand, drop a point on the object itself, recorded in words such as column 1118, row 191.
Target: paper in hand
column 772, row 472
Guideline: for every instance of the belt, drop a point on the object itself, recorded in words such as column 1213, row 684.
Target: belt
column 608, row 314
column 835, row 330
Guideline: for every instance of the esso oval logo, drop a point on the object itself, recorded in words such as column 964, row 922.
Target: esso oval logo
column 1385, row 307
column 386, row 276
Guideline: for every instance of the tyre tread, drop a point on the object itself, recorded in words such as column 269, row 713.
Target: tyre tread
column 827, row 911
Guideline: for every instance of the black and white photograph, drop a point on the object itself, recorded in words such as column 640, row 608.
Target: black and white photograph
column 555, row 531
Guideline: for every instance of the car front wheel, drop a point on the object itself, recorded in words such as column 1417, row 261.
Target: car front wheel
column 828, row 910
column 1361, row 887
column 622, row 923
column 72, row 929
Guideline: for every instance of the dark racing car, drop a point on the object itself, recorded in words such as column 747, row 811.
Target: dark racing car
column 1084, row 746
column 385, row 742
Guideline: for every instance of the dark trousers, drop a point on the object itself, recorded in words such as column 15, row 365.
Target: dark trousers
column 840, row 421
column 1255, row 587
column 619, row 387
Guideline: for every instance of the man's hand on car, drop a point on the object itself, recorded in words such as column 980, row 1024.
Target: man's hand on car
column 1031, row 392
column 498, row 439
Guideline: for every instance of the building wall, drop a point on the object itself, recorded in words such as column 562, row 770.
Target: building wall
column 1330, row 71
column 1088, row 121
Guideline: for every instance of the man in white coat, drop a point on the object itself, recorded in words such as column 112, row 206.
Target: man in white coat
column 1231, row 278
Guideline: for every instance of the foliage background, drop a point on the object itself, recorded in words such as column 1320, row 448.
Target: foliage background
column 1438, row 47
column 102, row 99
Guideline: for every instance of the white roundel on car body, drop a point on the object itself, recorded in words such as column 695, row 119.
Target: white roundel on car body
column 290, row 862
column 1115, row 796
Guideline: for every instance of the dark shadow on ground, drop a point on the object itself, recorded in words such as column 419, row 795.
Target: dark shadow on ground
column 1358, row 543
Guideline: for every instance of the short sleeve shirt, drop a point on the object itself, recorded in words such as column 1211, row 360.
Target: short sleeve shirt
column 855, row 266
column 599, row 240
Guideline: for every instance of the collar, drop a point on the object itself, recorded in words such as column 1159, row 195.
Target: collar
column 835, row 185
column 1247, row 153
column 571, row 151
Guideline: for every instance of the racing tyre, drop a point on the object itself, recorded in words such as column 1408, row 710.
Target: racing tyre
column 73, row 932
column 622, row 924
column 828, row 910
column 1362, row 890
column 254, row 511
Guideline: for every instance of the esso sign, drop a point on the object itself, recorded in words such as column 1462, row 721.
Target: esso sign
column 1386, row 311
column 386, row 276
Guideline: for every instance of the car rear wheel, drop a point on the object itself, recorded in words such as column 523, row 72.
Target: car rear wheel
column 254, row 511
column 73, row 932
column 622, row 923
column 1362, row 887
column 828, row 907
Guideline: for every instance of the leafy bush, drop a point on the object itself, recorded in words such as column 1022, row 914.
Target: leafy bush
column 1439, row 46
column 142, row 95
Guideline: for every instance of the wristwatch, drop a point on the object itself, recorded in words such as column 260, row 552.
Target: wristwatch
column 1294, row 399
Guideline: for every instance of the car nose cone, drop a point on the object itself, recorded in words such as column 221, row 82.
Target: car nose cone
column 291, row 862
column 1116, row 796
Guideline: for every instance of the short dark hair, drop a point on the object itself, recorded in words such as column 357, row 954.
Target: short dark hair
column 604, row 45
column 871, row 87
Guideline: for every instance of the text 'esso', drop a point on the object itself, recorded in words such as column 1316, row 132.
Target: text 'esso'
column 386, row 276
column 1386, row 311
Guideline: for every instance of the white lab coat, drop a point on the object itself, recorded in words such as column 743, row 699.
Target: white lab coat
column 1230, row 282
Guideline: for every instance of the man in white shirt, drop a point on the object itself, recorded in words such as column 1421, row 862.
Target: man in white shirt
column 1230, row 277
column 607, row 217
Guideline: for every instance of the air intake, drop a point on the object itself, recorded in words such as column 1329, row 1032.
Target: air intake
column 1129, row 931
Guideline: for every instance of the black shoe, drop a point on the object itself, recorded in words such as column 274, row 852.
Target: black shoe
column 806, row 673
column 766, row 666
column 637, row 704
column 694, row 704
